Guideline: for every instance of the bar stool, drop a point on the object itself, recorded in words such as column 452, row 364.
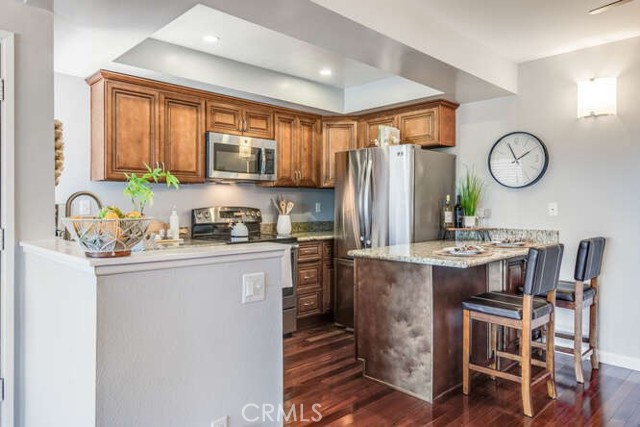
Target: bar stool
column 577, row 296
column 523, row 313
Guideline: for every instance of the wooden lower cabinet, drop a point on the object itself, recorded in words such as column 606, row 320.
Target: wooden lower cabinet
column 315, row 278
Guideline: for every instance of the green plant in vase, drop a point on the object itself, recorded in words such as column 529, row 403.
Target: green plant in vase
column 470, row 189
column 138, row 188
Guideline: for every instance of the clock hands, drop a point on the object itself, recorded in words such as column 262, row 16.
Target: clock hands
column 524, row 154
column 515, row 159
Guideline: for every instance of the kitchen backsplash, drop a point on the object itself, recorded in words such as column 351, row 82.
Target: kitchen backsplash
column 299, row 227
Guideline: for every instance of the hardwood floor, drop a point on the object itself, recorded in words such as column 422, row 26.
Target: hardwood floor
column 320, row 368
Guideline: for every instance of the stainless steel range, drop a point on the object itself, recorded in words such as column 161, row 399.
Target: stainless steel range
column 217, row 223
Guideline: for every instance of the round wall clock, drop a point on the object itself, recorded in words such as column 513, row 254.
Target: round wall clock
column 518, row 159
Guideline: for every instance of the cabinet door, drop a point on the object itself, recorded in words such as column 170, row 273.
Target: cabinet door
column 224, row 118
column 258, row 122
column 420, row 127
column 336, row 136
column 308, row 148
column 287, row 156
column 132, row 129
column 370, row 129
column 182, row 138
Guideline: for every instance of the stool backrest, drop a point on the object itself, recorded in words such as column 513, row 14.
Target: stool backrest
column 543, row 269
column 589, row 260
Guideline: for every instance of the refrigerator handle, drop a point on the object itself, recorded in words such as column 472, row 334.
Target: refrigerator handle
column 360, row 196
column 368, row 203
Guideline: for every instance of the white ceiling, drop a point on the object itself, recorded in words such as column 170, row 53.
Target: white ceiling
column 527, row 30
column 249, row 43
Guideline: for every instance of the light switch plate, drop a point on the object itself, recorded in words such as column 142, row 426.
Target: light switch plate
column 253, row 287
column 220, row 422
column 552, row 208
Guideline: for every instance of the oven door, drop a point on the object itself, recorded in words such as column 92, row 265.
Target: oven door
column 240, row 158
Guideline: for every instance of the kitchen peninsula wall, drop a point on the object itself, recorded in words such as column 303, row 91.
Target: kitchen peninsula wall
column 72, row 107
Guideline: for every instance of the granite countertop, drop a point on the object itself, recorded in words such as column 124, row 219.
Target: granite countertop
column 69, row 253
column 310, row 236
column 430, row 253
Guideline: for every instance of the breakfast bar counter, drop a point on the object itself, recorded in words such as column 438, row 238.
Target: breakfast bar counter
column 408, row 316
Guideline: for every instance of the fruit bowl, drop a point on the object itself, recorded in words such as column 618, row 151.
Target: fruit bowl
column 107, row 238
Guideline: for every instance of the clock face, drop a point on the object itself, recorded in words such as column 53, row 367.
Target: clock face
column 518, row 159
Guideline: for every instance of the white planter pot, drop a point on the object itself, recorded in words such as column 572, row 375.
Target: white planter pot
column 283, row 227
column 469, row 221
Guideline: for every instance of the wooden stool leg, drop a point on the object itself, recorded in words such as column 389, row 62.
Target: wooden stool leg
column 494, row 347
column 593, row 327
column 577, row 333
column 466, row 348
column 550, row 354
column 525, row 355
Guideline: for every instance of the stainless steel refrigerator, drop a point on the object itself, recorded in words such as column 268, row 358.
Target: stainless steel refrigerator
column 385, row 196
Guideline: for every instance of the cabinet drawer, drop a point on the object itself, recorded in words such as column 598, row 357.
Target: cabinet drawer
column 309, row 304
column 309, row 275
column 310, row 252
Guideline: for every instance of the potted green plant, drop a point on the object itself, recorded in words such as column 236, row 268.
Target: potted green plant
column 138, row 188
column 470, row 189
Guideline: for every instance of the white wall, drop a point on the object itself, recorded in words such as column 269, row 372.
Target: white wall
column 593, row 174
column 73, row 109
column 33, row 208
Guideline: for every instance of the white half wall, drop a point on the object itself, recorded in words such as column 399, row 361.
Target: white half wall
column 593, row 174
column 72, row 107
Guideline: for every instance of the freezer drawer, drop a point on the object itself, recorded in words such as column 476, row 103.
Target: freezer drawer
column 343, row 301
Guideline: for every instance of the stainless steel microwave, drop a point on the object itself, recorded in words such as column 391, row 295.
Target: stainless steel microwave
column 231, row 157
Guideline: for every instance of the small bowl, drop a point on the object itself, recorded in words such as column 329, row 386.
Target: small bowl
column 107, row 238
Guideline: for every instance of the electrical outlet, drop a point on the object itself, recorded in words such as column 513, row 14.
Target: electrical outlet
column 84, row 207
column 221, row 422
column 318, row 207
column 253, row 287
column 552, row 208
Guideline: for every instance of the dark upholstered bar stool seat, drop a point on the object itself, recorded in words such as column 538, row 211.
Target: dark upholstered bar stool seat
column 505, row 305
column 524, row 313
column 567, row 291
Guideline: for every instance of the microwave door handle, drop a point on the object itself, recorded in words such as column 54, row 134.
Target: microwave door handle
column 262, row 161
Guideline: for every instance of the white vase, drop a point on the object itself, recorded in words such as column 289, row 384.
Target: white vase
column 469, row 221
column 283, row 227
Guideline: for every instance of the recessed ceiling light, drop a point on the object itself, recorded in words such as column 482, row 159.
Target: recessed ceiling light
column 326, row 72
column 211, row 39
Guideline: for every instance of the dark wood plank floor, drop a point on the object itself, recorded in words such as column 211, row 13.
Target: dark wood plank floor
column 320, row 368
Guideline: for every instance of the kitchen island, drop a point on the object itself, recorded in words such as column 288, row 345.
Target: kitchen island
column 408, row 315
column 160, row 338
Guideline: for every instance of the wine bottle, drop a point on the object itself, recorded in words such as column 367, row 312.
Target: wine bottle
column 447, row 213
column 458, row 214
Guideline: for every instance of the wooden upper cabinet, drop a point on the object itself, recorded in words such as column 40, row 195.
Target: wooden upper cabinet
column 337, row 135
column 125, row 129
column 429, row 127
column 287, row 156
column 224, row 118
column 309, row 148
column 182, row 136
column 368, row 129
column 258, row 122
column 238, row 119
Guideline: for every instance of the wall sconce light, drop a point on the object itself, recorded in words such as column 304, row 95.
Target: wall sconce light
column 597, row 97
